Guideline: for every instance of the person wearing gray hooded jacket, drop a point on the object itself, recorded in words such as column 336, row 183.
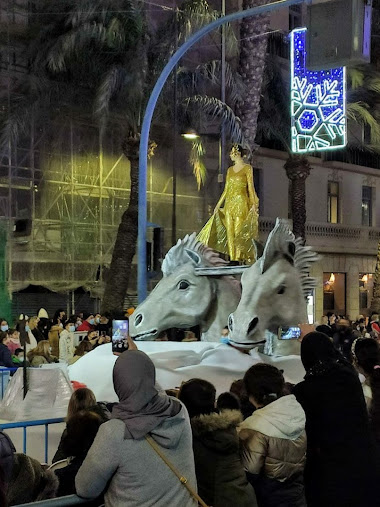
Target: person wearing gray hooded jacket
column 122, row 458
column 273, row 440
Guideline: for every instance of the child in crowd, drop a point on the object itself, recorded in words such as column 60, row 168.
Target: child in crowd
column 18, row 357
column 14, row 340
column 220, row 475
column 273, row 439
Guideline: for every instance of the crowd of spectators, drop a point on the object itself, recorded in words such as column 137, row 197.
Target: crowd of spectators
column 265, row 443
column 39, row 340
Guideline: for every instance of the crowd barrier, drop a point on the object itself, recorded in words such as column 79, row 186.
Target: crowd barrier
column 27, row 424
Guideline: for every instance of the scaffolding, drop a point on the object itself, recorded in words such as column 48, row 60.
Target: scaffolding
column 67, row 186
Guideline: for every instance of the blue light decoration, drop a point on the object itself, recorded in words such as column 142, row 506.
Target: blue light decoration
column 318, row 102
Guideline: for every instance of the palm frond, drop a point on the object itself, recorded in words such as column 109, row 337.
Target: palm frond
column 214, row 109
column 374, row 84
column 193, row 15
column 111, row 83
column 356, row 76
column 73, row 42
column 212, row 71
column 360, row 113
column 197, row 153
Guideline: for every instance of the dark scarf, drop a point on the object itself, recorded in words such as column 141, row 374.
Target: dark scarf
column 141, row 407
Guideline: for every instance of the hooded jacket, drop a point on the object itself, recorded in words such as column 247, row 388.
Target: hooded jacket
column 30, row 482
column 137, row 476
column 220, row 473
column 273, row 449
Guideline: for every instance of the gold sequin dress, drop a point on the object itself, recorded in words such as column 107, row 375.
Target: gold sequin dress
column 231, row 230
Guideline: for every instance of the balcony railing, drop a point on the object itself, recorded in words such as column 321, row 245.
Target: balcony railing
column 337, row 238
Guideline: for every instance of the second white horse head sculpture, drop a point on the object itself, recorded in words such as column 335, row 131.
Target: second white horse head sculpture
column 274, row 289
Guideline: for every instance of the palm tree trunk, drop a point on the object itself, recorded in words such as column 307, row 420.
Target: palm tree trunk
column 297, row 170
column 126, row 238
column 253, row 48
column 375, row 303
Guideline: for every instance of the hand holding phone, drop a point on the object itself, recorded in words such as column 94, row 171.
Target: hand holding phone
column 120, row 335
column 289, row 333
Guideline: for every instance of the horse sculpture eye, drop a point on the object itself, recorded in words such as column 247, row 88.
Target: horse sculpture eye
column 281, row 290
column 183, row 285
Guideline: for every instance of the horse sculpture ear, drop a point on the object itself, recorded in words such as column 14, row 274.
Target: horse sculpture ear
column 258, row 248
column 280, row 243
column 194, row 257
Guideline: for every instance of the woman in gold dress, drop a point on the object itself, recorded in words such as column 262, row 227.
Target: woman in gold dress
column 231, row 230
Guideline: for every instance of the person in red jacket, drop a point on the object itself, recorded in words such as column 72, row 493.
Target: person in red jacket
column 88, row 323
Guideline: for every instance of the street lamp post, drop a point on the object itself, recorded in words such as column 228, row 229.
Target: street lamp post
column 143, row 161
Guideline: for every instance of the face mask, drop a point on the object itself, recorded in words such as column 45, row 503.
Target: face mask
column 61, row 325
column 97, row 320
column 224, row 339
column 4, row 328
column 71, row 329
column 27, row 329
column 92, row 322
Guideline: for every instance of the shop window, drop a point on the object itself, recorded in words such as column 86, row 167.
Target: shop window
column 334, row 293
column 365, row 292
column 333, row 202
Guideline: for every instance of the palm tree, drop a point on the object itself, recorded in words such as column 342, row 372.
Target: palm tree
column 253, row 49
column 274, row 125
column 375, row 302
column 100, row 54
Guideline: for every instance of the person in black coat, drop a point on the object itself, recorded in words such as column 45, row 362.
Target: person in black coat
column 81, row 432
column 5, row 353
column 220, row 474
column 340, row 463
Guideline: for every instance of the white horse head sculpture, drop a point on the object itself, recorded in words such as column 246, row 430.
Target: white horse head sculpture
column 191, row 293
column 274, row 289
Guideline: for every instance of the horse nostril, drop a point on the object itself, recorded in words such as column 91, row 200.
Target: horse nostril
column 138, row 319
column 230, row 323
column 252, row 325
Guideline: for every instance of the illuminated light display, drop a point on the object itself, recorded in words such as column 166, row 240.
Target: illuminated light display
column 318, row 102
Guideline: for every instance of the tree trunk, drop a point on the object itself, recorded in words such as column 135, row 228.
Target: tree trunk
column 253, row 49
column 375, row 303
column 126, row 239
column 297, row 170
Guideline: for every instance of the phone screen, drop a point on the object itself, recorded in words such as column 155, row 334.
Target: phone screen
column 289, row 333
column 120, row 335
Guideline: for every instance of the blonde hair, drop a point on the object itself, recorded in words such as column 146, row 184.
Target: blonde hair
column 33, row 322
column 81, row 399
column 42, row 349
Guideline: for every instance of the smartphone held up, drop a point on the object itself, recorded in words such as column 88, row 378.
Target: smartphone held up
column 120, row 330
column 289, row 333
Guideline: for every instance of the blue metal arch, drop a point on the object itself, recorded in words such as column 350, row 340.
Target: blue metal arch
column 143, row 162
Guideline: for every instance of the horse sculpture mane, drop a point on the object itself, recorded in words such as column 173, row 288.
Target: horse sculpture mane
column 189, row 248
column 281, row 242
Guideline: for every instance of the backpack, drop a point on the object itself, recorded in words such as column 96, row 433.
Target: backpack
column 7, row 451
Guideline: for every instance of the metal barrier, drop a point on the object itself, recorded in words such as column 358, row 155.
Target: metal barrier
column 26, row 424
column 62, row 501
column 5, row 372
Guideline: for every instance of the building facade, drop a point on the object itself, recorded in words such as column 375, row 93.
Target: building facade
column 62, row 195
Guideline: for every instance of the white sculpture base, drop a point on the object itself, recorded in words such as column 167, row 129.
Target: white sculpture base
column 178, row 361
